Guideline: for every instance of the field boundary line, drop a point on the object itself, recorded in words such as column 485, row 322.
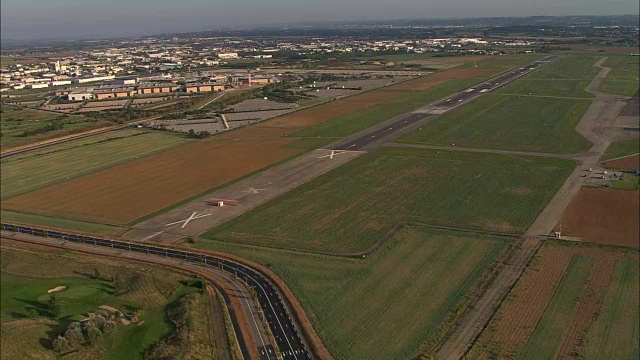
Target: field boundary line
column 378, row 244
column 620, row 157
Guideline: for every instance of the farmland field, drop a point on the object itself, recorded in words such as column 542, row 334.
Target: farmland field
column 17, row 123
column 624, row 77
column 393, row 304
column 509, row 123
column 126, row 192
column 353, row 206
column 572, row 301
column 604, row 216
column 69, row 160
column 27, row 326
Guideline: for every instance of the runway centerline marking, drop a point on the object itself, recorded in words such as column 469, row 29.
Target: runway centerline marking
column 188, row 220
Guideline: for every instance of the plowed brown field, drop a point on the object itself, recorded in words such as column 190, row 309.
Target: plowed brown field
column 629, row 162
column 520, row 315
column 604, row 216
column 440, row 77
column 132, row 190
column 333, row 109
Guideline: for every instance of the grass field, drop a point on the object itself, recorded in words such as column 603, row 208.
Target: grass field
column 14, row 122
column 565, row 77
column 393, row 304
column 62, row 162
column 573, row 301
column 624, row 77
column 576, row 67
column 621, row 148
column 25, row 283
column 353, row 206
column 546, row 87
column 53, row 222
column 509, row 123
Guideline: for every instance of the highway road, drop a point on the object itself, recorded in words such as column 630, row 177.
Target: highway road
column 391, row 130
column 287, row 336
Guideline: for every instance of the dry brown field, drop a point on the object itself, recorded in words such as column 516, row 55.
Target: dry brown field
column 440, row 77
column 126, row 192
column 524, row 324
column 333, row 109
column 604, row 216
column 629, row 162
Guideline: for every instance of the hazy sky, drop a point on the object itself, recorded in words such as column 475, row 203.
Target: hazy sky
column 36, row 19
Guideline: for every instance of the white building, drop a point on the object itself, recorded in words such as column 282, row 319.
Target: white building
column 227, row 56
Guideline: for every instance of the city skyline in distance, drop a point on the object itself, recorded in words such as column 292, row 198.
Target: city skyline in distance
column 69, row 19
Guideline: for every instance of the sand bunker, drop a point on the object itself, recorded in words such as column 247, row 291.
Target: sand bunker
column 56, row 289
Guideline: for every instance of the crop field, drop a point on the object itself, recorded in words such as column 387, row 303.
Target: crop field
column 65, row 161
column 509, row 123
column 126, row 192
column 604, row 216
column 572, row 301
column 352, row 207
column 622, row 148
column 26, row 326
column 624, row 77
column 16, row 124
column 354, row 303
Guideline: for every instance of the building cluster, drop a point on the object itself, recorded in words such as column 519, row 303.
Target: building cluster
column 162, row 85
column 142, row 57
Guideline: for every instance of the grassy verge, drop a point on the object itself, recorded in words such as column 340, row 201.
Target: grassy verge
column 60, row 223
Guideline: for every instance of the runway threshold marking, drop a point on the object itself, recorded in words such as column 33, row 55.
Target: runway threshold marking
column 188, row 220
column 333, row 153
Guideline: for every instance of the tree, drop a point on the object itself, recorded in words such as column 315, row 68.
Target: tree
column 109, row 327
column 61, row 344
column 91, row 332
column 74, row 334
column 53, row 306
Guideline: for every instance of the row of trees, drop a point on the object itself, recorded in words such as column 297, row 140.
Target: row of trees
column 88, row 332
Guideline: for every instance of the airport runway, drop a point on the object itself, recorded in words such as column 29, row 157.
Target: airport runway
column 195, row 217
column 391, row 129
